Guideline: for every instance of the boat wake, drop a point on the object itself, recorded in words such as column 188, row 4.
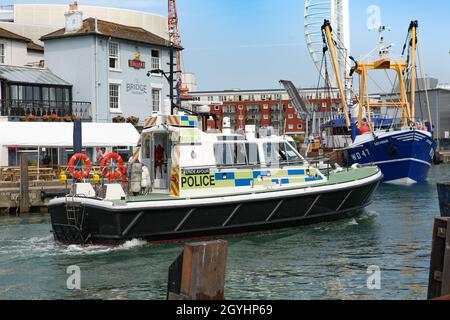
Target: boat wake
column 46, row 246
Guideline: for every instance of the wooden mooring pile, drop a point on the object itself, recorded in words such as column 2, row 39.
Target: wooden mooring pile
column 439, row 278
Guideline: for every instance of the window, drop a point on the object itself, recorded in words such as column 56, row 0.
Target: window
column 291, row 127
column 266, row 117
column 28, row 93
column 241, row 107
column 36, row 93
column 280, row 152
column 45, row 94
column 266, row 106
column 52, row 94
column 114, row 56
column 156, row 99
column 217, row 108
column 300, row 126
column 114, row 96
column 2, row 53
column 291, row 116
column 59, row 94
column 156, row 59
column 13, row 92
column 236, row 153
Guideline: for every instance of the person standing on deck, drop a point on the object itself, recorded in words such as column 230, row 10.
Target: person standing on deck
column 159, row 158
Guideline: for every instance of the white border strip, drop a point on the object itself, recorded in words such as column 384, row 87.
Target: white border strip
column 401, row 160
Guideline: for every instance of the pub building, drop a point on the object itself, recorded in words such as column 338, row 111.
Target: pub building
column 110, row 65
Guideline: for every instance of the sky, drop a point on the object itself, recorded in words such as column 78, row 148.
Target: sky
column 252, row 44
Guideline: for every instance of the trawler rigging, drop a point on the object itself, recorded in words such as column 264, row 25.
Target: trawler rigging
column 403, row 148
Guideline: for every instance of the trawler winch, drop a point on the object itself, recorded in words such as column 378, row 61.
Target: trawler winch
column 185, row 183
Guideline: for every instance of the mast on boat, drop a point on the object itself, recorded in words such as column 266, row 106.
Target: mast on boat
column 326, row 28
column 413, row 30
column 382, row 63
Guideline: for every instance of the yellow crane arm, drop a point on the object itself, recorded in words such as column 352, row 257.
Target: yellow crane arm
column 327, row 28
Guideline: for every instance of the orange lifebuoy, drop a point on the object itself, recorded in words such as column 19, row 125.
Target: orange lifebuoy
column 83, row 173
column 121, row 169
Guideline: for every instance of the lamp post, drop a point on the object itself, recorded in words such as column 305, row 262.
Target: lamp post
column 169, row 77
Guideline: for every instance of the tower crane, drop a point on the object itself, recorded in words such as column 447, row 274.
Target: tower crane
column 175, row 39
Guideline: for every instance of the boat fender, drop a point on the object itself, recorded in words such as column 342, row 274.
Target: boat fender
column 356, row 166
column 136, row 177
column 338, row 168
column 145, row 180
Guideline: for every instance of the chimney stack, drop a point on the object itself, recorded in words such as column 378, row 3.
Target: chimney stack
column 73, row 6
column 74, row 18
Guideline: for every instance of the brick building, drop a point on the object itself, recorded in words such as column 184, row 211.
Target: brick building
column 264, row 108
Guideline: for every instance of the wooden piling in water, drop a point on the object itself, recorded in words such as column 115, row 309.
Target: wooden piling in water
column 199, row 272
column 443, row 189
column 439, row 278
column 24, row 202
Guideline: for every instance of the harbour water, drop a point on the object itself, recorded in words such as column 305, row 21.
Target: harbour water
column 326, row 261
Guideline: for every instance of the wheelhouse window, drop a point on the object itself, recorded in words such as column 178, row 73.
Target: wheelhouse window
column 114, row 96
column 231, row 153
column 280, row 153
column 114, row 56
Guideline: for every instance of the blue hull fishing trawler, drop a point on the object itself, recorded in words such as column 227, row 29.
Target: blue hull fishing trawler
column 403, row 156
column 404, row 150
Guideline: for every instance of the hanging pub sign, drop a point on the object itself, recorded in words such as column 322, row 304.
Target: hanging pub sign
column 136, row 63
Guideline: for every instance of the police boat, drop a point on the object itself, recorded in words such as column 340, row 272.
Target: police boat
column 185, row 183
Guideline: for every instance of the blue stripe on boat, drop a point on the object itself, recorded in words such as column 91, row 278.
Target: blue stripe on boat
column 243, row 182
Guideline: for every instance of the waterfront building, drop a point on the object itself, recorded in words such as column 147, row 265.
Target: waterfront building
column 438, row 97
column 17, row 50
column 34, row 91
column 109, row 65
column 34, row 94
column 34, row 20
column 266, row 108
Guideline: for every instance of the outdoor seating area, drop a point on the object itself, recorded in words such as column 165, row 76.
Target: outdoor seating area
column 12, row 174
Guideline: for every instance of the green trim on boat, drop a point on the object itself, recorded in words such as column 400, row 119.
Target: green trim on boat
column 347, row 175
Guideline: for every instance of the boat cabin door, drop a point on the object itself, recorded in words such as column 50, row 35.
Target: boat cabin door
column 158, row 159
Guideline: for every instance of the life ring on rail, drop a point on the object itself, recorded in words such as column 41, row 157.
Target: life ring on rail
column 121, row 169
column 79, row 174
